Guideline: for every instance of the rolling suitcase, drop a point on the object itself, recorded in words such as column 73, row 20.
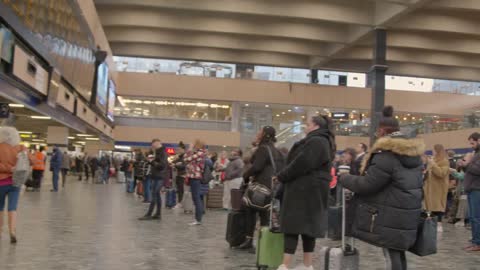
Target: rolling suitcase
column 270, row 245
column 269, row 249
column 236, row 196
column 236, row 225
column 187, row 202
column 171, row 198
column 345, row 257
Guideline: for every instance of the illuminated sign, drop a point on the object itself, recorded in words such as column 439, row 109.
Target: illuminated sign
column 170, row 150
column 340, row 115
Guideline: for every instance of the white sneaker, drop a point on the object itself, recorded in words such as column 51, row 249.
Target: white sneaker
column 303, row 267
column 178, row 206
column 460, row 224
column 439, row 228
column 195, row 223
column 282, row 267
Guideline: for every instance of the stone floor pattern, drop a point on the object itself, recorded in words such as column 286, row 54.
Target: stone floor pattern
column 87, row 226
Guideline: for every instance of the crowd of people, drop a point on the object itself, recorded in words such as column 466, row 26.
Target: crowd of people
column 392, row 184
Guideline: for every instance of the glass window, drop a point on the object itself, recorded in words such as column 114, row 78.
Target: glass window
column 174, row 109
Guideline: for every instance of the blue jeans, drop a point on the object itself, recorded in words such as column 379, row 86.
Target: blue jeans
column 106, row 175
column 147, row 189
column 55, row 177
column 195, row 186
column 157, row 185
column 12, row 193
column 474, row 213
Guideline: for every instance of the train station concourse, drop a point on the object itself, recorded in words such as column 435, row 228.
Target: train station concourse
column 214, row 134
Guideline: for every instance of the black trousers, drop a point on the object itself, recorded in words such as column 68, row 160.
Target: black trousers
column 180, row 182
column 251, row 220
column 396, row 259
column 291, row 242
column 439, row 215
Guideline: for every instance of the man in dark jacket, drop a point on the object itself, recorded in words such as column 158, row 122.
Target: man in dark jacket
column 357, row 163
column 388, row 194
column 472, row 188
column 181, row 168
column 158, row 174
column 55, row 166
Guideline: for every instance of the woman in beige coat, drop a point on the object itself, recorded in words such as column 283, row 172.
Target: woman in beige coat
column 436, row 185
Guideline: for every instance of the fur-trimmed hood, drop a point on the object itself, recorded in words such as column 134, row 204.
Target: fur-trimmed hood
column 409, row 151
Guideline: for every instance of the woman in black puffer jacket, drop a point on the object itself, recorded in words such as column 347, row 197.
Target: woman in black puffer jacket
column 388, row 194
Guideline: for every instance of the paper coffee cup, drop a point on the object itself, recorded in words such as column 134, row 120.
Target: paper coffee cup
column 344, row 169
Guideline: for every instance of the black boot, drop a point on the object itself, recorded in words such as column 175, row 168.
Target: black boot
column 146, row 217
column 248, row 244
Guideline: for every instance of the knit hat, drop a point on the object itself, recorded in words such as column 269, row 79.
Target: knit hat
column 387, row 120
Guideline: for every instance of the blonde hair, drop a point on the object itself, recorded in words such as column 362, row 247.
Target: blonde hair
column 9, row 135
column 440, row 153
column 198, row 144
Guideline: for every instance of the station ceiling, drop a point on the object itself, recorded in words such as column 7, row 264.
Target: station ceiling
column 426, row 38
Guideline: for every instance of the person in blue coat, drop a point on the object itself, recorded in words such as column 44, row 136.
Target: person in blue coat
column 55, row 167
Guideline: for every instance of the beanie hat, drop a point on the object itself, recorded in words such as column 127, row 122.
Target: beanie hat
column 387, row 120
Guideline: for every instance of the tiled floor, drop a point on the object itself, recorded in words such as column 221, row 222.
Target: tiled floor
column 90, row 226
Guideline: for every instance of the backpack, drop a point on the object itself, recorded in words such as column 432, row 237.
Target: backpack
column 207, row 173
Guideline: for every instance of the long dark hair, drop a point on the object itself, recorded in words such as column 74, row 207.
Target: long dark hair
column 325, row 124
column 268, row 135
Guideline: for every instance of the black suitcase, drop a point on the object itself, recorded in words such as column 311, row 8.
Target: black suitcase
column 236, row 228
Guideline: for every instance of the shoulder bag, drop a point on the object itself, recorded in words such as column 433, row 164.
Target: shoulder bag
column 22, row 169
column 426, row 243
column 258, row 196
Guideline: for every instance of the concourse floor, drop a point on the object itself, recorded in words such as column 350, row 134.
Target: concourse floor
column 88, row 226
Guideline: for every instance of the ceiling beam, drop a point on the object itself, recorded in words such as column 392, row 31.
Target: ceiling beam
column 386, row 13
column 435, row 42
column 456, row 5
column 440, row 22
column 213, row 40
column 353, row 12
column 209, row 54
column 223, row 23
column 402, row 55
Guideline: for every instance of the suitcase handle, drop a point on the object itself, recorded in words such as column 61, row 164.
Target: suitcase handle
column 347, row 249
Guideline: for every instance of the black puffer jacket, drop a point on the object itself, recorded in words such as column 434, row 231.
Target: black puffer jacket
column 159, row 165
column 306, row 185
column 261, row 169
column 388, row 195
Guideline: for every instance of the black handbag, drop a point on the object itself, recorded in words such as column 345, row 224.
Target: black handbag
column 258, row 196
column 426, row 243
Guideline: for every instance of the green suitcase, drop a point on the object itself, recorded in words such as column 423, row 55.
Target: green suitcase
column 269, row 249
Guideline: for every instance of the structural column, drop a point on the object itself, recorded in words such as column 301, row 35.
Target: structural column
column 376, row 79
column 314, row 76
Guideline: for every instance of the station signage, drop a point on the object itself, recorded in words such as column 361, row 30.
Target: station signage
column 337, row 115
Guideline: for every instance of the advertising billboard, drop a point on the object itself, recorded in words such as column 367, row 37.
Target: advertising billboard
column 102, row 87
column 111, row 99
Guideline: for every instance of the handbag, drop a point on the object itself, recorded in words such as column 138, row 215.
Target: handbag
column 22, row 169
column 258, row 196
column 426, row 243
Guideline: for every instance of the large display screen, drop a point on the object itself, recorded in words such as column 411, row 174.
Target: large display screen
column 111, row 99
column 102, row 87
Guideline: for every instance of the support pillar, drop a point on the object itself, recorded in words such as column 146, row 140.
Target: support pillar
column 376, row 77
column 314, row 76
